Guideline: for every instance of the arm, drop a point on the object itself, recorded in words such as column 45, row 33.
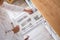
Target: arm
column 9, row 34
column 16, row 8
column 4, row 35
column 12, row 7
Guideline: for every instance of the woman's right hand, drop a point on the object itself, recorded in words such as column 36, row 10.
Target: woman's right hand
column 16, row 29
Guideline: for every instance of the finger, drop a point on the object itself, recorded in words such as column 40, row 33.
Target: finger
column 27, row 38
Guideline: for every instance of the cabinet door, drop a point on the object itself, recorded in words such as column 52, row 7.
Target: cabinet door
column 50, row 9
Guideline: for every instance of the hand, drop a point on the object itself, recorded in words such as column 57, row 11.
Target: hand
column 16, row 29
column 28, row 10
column 26, row 38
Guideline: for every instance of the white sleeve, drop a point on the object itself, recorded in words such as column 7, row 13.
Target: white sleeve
column 10, row 35
column 12, row 7
column 4, row 35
